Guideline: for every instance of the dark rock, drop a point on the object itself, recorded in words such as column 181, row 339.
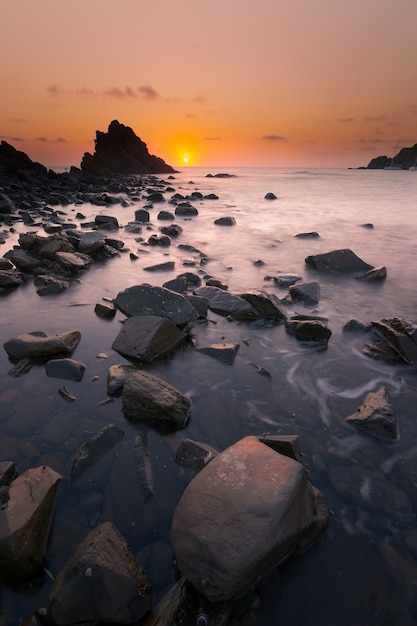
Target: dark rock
column 216, row 282
column 186, row 209
column 178, row 284
column 14, row 162
column 148, row 337
column 156, row 196
column 172, row 231
column 200, row 304
column 49, row 285
column 101, row 582
column 378, row 163
column 107, row 222
column 227, row 532
column 168, row 266
column 7, row 473
column 149, row 398
column 6, row 205
column 224, row 352
column 95, row 448
column 225, row 303
column 194, row 454
column 309, row 330
column 305, row 292
column 73, row 261
column 120, row 151
column 25, row 520
column 24, row 261
column 310, row 235
column 355, row 325
column 285, row 280
column 343, row 260
column 267, row 304
column 9, row 279
column 105, row 309
column 165, row 215
column 270, row 196
column 40, row 344
column 65, row 368
column 225, row 221
column 400, row 336
column 142, row 215
column 376, row 415
column 159, row 240
column 377, row 273
column 147, row 300
column 117, row 376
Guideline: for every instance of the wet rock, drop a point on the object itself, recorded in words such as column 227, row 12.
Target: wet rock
column 194, row 454
column 40, row 344
column 309, row 235
column 355, row 325
column 178, row 284
column 107, row 222
column 148, row 337
column 49, row 285
column 142, row 215
column 6, row 205
column 73, row 261
column 101, row 582
column 200, row 304
column 377, row 273
column 159, row 240
column 91, row 242
column 95, row 448
column 344, row 261
column 224, row 352
column 376, row 415
column 174, row 230
column 117, row 375
column 24, row 261
column 10, row 279
column 225, row 221
column 156, row 196
column 147, row 300
column 267, row 304
column 240, row 515
column 185, row 209
column 149, row 398
column 400, row 336
column 285, row 280
column 168, row 266
column 305, row 292
column 270, row 196
column 26, row 518
column 165, row 215
column 7, row 472
column 69, row 369
column 308, row 329
column 225, row 303
column 105, row 309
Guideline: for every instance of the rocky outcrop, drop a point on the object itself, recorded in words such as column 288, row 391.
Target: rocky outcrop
column 120, row 151
column 343, row 261
column 146, row 397
column 406, row 158
column 101, row 582
column 376, row 415
column 25, row 520
column 15, row 162
column 249, row 508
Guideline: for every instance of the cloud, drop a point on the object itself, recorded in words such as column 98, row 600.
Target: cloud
column 120, row 94
column 147, row 92
column 212, row 138
column 11, row 138
column 54, row 90
column 46, row 140
column 346, row 119
column 60, row 140
column 273, row 138
column 41, row 139
column 18, row 120
column 376, row 118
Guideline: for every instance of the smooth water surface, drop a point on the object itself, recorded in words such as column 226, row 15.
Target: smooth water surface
column 364, row 568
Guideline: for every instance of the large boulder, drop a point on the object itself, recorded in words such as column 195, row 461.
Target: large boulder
column 249, row 508
column 146, row 397
column 40, row 344
column 147, row 300
column 148, row 337
column 121, row 152
column 267, row 304
column 400, row 336
column 225, row 303
column 101, row 582
column 344, row 261
column 25, row 520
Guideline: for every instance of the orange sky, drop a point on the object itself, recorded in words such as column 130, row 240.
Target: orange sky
column 223, row 83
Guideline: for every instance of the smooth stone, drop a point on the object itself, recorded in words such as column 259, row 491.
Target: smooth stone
column 305, row 292
column 39, row 344
column 225, row 221
column 148, row 337
column 69, row 369
column 377, row 273
column 147, row 300
column 267, row 304
column 117, row 375
column 310, row 330
column 343, row 260
column 225, row 303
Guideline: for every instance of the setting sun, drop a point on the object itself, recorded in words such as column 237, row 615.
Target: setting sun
column 185, row 160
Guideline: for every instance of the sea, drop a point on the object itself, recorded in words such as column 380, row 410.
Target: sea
column 363, row 569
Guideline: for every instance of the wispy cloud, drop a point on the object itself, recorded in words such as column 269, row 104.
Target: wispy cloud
column 46, row 140
column 212, row 138
column 273, row 138
column 376, row 118
column 120, row 94
column 10, row 138
column 346, row 120
column 41, row 139
column 148, row 92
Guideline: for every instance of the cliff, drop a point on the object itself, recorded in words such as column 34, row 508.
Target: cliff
column 406, row 158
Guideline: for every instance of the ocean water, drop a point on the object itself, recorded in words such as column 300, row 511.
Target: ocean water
column 363, row 570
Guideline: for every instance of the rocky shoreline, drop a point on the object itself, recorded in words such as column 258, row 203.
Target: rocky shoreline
column 246, row 508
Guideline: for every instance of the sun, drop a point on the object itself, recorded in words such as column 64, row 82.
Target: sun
column 185, row 160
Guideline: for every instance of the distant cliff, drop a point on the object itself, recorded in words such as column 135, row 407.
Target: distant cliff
column 406, row 158
column 120, row 151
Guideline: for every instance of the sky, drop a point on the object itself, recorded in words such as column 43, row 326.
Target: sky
column 314, row 83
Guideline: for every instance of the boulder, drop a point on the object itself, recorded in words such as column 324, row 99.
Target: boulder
column 248, row 509
column 91, row 242
column 308, row 329
column 40, row 344
column 117, row 375
column 161, row 267
column 270, row 196
column 376, row 415
column 25, row 520
column 73, row 261
column 142, row 215
column 185, row 209
column 400, row 336
column 285, row 280
column 225, row 303
column 95, row 448
column 377, row 273
column 9, row 279
column 48, row 285
column 105, row 309
column 267, row 304
column 120, row 151
column 224, row 352
column 24, row 261
column 69, row 369
column 194, row 454
column 101, row 582
column 343, row 261
column 305, row 292
column 148, row 337
column 147, row 300
column 225, row 221
column 146, row 397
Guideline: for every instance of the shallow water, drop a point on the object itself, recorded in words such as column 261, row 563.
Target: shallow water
column 364, row 569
